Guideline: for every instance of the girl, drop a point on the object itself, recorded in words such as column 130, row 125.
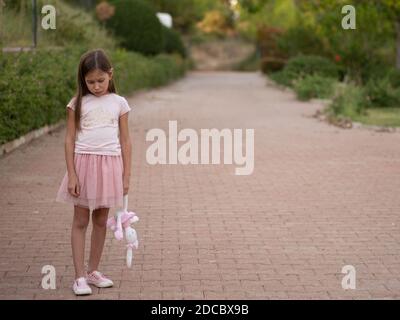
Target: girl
column 98, row 162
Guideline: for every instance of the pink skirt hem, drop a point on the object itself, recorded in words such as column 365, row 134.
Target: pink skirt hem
column 100, row 181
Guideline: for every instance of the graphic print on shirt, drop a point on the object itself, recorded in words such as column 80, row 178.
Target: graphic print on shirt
column 98, row 117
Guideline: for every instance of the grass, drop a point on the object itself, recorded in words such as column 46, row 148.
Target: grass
column 350, row 103
column 385, row 117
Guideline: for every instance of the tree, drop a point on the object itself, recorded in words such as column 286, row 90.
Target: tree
column 389, row 10
column 252, row 6
column 185, row 13
column 256, row 14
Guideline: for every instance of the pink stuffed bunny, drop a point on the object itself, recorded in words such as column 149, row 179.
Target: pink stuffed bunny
column 122, row 221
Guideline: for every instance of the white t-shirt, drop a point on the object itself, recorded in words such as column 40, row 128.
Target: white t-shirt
column 100, row 124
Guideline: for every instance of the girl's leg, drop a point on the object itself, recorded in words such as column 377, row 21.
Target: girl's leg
column 99, row 219
column 78, row 232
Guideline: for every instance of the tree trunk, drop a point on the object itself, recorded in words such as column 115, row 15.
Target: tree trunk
column 398, row 44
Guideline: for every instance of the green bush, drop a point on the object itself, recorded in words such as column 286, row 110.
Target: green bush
column 394, row 77
column 349, row 102
column 373, row 70
column 269, row 64
column 35, row 86
column 282, row 78
column 173, row 42
column 137, row 27
column 301, row 66
column 381, row 93
column 146, row 72
column 314, row 86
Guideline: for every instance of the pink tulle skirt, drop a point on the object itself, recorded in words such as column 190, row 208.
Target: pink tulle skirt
column 100, row 181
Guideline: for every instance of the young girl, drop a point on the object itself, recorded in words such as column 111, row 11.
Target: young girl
column 98, row 162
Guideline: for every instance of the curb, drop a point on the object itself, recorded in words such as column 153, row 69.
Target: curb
column 346, row 123
column 14, row 144
column 375, row 128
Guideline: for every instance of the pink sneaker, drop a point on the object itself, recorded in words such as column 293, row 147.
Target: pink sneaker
column 99, row 280
column 81, row 287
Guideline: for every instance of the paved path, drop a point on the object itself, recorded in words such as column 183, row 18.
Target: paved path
column 320, row 198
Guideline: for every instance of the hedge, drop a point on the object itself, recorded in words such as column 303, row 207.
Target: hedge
column 36, row 86
column 136, row 25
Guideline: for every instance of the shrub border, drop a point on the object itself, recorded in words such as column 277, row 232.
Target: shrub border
column 344, row 123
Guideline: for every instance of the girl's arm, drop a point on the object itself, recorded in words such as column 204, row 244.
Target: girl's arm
column 70, row 143
column 73, row 183
column 126, row 148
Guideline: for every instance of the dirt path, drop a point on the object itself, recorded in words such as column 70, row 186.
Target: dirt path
column 319, row 198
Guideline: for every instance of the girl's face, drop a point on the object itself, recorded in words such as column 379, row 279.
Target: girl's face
column 97, row 81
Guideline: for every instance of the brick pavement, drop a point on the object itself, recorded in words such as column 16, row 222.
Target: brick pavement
column 320, row 197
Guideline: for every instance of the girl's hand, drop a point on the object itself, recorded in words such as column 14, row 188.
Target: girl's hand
column 126, row 179
column 73, row 185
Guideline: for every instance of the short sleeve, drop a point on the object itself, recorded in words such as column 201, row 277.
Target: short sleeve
column 124, row 107
column 71, row 104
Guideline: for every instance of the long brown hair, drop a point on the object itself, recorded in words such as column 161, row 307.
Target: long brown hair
column 91, row 60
